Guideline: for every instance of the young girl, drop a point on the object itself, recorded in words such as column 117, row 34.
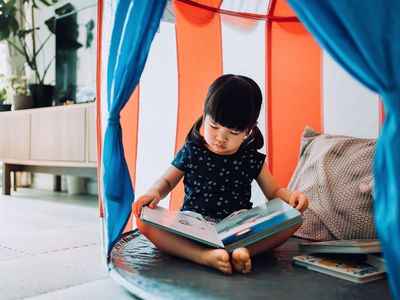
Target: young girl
column 219, row 161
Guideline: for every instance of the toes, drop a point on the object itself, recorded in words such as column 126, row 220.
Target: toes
column 246, row 267
column 239, row 266
column 222, row 262
column 241, row 261
column 225, row 268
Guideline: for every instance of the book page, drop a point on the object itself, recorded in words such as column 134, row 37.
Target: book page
column 243, row 222
column 182, row 224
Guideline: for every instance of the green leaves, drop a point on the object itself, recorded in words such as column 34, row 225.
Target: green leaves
column 4, row 33
column 3, row 95
column 51, row 24
column 49, row 2
column 45, row 2
column 3, row 88
column 16, row 34
column 8, row 21
column 23, row 33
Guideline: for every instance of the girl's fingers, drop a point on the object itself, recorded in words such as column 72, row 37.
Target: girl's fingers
column 302, row 204
column 139, row 209
column 293, row 199
column 300, row 207
column 136, row 209
column 139, row 203
column 153, row 204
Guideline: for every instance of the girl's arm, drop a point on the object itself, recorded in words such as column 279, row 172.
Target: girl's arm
column 159, row 190
column 272, row 190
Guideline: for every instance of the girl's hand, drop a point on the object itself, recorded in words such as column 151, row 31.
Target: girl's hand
column 298, row 200
column 151, row 198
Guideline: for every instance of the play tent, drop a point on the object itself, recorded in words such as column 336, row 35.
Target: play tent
column 148, row 97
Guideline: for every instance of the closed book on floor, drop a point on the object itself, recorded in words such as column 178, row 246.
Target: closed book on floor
column 342, row 246
column 342, row 267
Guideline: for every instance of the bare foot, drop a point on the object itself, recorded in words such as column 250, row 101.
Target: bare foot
column 217, row 259
column 241, row 260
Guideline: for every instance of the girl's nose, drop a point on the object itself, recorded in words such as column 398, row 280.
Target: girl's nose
column 221, row 137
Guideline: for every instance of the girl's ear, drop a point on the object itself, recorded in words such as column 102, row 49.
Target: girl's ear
column 201, row 129
column 249, row 132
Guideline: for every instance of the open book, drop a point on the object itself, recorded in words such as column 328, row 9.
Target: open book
column 232, row 232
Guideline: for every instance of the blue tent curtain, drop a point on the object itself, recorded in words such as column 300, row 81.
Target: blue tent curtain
column 136, row 22
column 364, row 38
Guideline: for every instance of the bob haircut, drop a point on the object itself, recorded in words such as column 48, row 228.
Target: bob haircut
column 233, row 101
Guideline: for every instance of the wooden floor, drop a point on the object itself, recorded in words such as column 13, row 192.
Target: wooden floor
column 50, row 248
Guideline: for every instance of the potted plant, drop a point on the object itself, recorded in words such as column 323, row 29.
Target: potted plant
column 21, row 97
column 22, row 37
column 3, row 94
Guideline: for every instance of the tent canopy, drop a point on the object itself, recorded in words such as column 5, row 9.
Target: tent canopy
column 198, row 41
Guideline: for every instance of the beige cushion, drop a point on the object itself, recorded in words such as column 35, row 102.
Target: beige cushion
column 335, row 173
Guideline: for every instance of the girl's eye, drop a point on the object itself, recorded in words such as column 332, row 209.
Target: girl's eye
column 235, row 132
column 214, row 126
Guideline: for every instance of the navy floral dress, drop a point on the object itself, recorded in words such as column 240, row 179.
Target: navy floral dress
column 217, row 185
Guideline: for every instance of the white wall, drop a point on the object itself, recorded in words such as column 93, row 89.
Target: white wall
column 48, row 52
column 349, row 108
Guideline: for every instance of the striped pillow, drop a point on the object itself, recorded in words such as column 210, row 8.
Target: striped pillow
column 335, row 173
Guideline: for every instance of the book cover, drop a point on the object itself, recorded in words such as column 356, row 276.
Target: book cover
column 345, row 268
column 234, row 231
column 342, row 246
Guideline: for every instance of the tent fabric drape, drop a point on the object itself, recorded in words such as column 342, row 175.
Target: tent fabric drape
column 364, row 38
column 136, row 23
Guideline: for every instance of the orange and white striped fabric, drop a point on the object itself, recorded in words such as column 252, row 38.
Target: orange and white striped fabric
column 302, row 86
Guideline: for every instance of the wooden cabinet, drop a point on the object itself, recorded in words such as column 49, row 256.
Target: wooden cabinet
column 92, row 134
column 58, row 140
column 59, row 134
column 14, row 135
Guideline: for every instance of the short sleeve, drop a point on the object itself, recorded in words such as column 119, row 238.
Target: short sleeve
column 256, row 163
column 182, row 159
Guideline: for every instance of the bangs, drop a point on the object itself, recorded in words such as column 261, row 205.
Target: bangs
column 232, row 105
column 232, row 101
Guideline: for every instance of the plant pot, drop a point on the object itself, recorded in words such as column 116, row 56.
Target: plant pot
column 5, row 107
column 42, row 94
column 76, row 185
column 22, row 102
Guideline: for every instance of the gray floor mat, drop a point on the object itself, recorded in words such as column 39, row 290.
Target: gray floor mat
column 148, row 273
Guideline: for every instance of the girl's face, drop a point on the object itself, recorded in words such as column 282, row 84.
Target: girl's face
column 220, row 139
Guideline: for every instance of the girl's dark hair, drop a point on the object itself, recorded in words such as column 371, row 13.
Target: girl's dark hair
column 233, row 101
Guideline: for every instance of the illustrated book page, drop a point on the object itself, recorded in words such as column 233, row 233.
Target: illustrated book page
column 183, row 224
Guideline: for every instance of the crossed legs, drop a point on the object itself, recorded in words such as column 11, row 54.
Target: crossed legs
column 215, row 258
